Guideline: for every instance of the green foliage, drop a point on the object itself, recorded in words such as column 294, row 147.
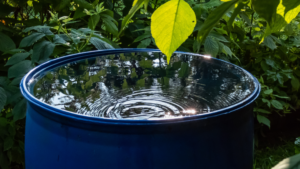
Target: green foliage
column 213, row 19
column 262, row 36
column 6, row 43
column 37, row 44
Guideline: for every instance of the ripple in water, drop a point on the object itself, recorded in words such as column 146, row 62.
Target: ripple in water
column 142, row 86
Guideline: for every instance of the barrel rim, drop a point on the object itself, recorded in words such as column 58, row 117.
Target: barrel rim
column 90, row 54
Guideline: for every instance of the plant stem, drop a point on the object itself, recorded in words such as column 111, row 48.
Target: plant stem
column 67, row 34
column 251, row 26
column 87, row 41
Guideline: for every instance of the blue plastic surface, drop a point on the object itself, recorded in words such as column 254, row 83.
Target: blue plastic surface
column 57, row 139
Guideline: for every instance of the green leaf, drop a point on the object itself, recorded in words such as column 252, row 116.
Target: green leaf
column 264, row 66
column 226, row 50
column 268, row 41
column 184, row 70
column 289, row 163
column 145, row 64
column 16, row 81
column 61, row 5
column 42, row 50
column 110, row 24
column 6, row 43
column 266, row 101
column 277, row 104
column 218, row 37
column 280, row 78
column 265, row 8
column 278, row 13
column 140, row 83
column 271, row 62
column 213, row 19
column 100, row 44
column 282, row 97
column 144, row 43
column 143, row 36
column 211, row 46
column 84, row 4
column 198, row 9
column 8, row 143
column 263, row 111
column 31, row 39
column 58, row 40
column 130, row 14
column 16, row 58
column 295, row 83
column 19, row 69
column 14, row 51
column 19, row 111
column 15, row 98
column 170, row 29
column 212, row 3
column 134, row 2
column 3, row 98
column 133, row 73
column 38, row 28
column 235, row 13
column 246, row 18
column 79, row 13
column 288, row 30
column 269, row 91
column 93, row 21
column 125, row 84
column 4, row 81
column 263, row 120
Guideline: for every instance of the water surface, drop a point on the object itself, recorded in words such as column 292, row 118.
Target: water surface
column 142, row 86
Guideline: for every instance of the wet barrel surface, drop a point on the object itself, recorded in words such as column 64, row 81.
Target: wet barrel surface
column 127, row 108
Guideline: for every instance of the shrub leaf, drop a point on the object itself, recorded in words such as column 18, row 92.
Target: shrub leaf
column 31, row 39
column 16, row 58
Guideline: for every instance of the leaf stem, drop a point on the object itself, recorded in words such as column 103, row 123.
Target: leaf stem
column 67, row 34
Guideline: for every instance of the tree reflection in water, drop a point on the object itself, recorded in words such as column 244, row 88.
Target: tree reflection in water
column 142, row 86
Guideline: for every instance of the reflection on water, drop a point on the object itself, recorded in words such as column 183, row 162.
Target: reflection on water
column 142, row 86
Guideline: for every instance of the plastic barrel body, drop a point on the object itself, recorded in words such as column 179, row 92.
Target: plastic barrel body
column 224, row 141
column 58, row 139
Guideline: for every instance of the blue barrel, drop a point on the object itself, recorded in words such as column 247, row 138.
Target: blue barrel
column 59, row 139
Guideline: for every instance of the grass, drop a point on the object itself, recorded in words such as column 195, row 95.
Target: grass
column 268, row 157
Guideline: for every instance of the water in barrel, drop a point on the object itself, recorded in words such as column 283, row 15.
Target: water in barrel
column 141, row 86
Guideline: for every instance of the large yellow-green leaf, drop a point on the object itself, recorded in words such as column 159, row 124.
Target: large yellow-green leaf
column 288, row 9
column 214, row 18
column 171, row 24
column 278, row 13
